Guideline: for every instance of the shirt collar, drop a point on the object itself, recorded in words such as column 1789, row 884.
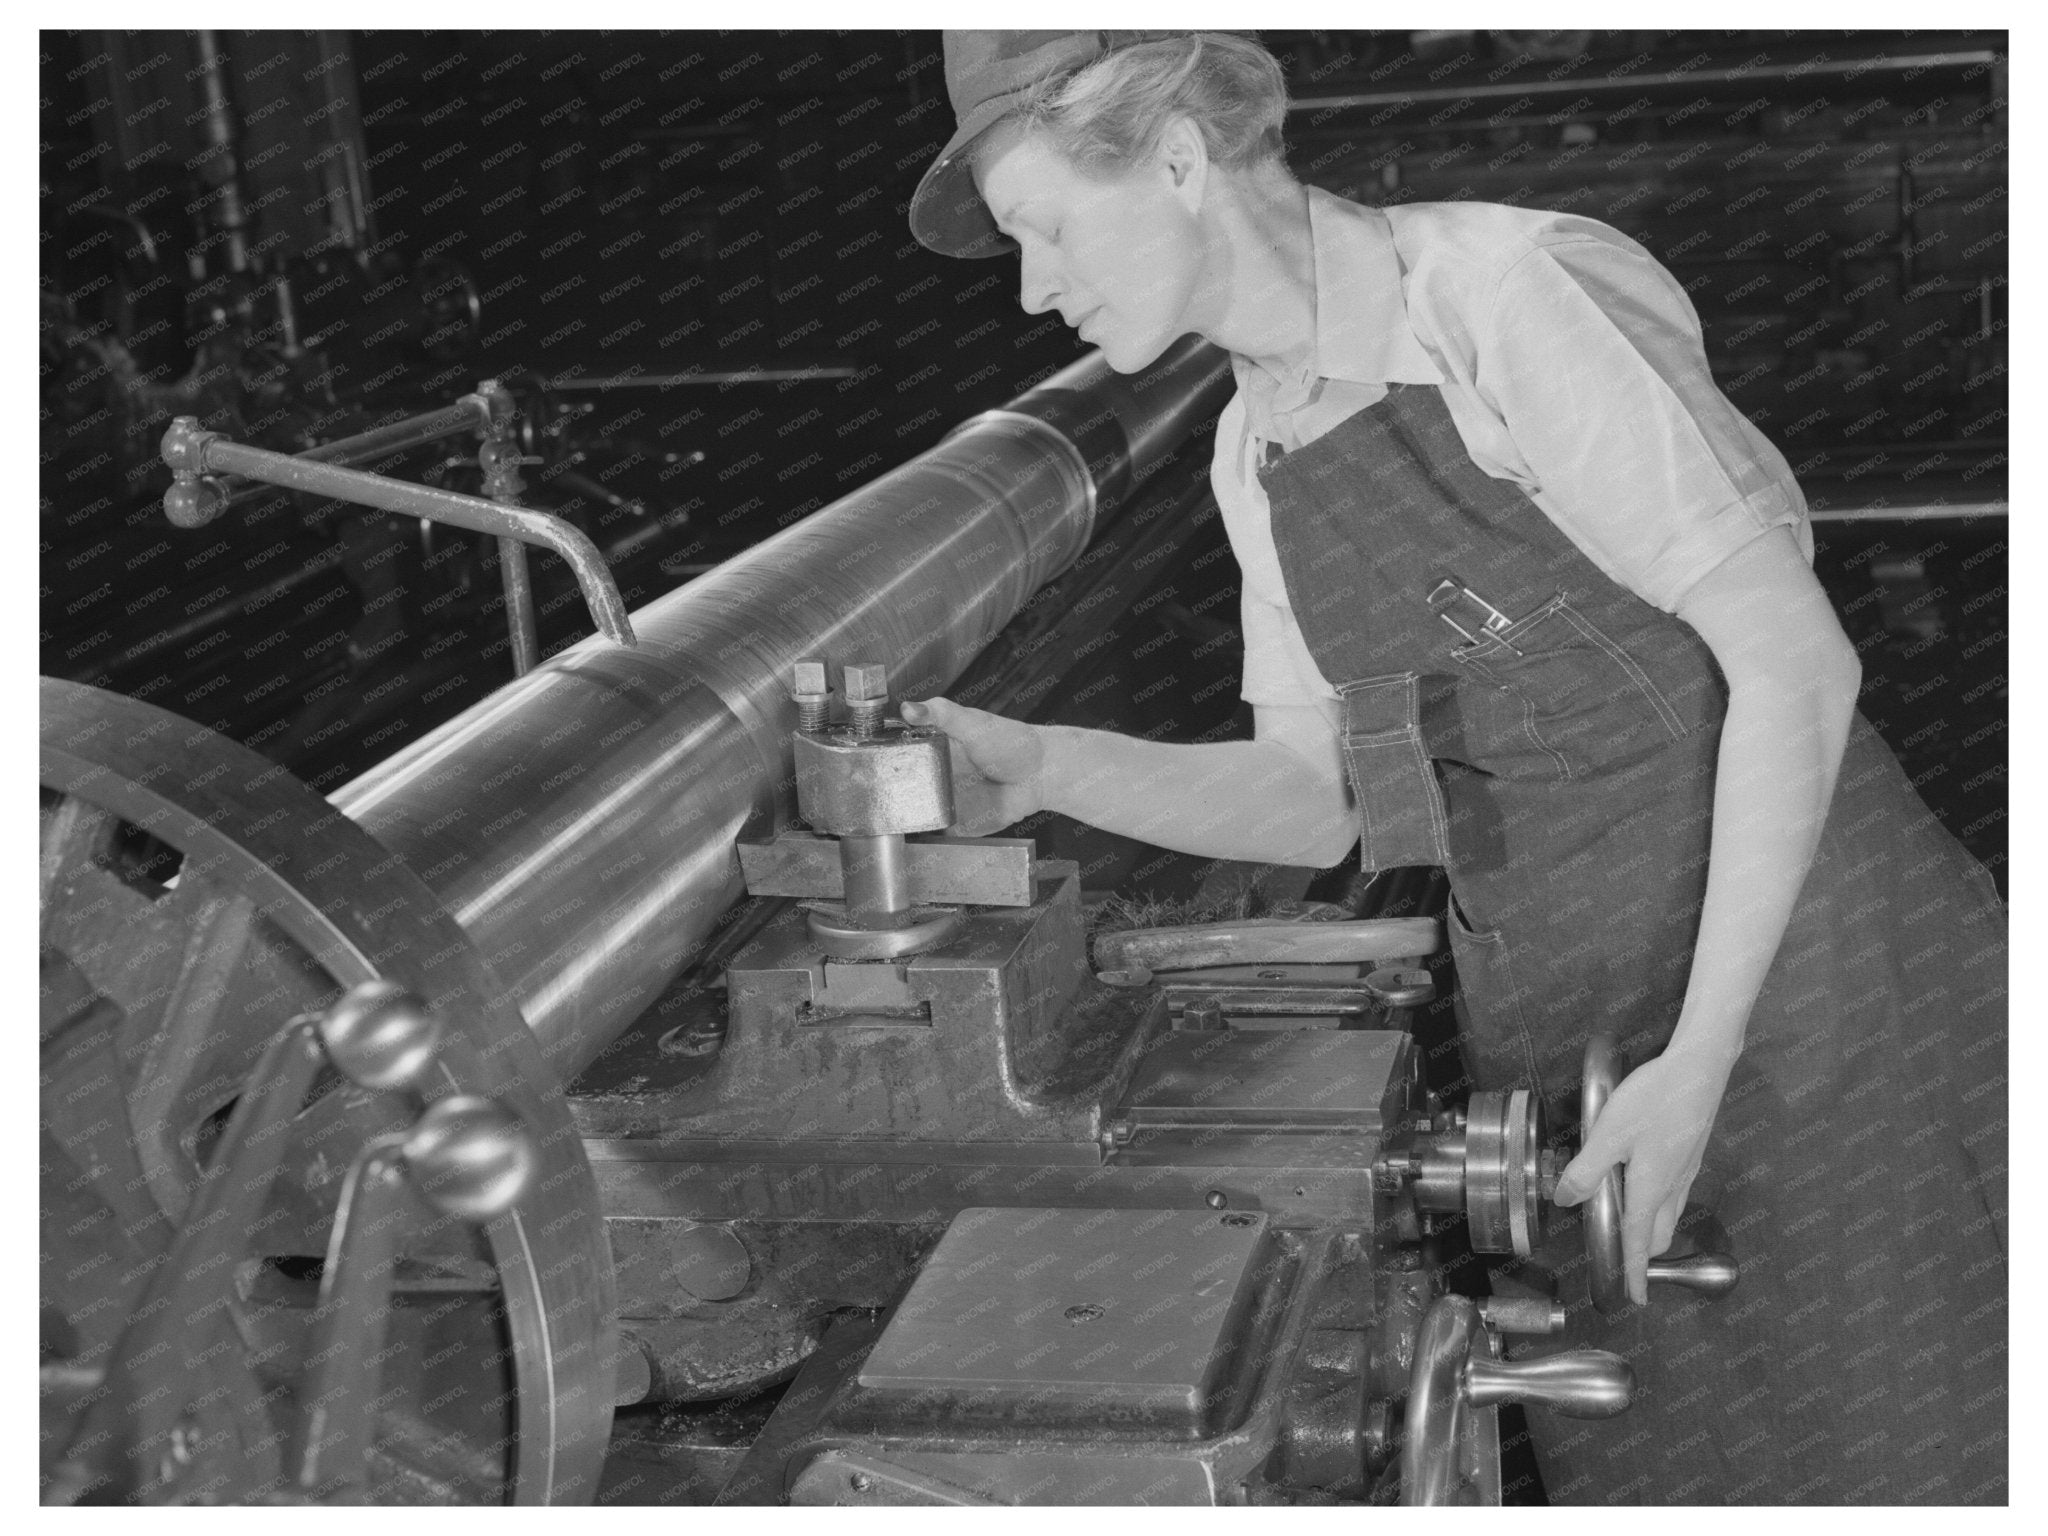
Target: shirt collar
column 1362, row 329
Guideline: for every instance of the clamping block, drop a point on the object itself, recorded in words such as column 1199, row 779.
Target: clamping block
column 944, row 871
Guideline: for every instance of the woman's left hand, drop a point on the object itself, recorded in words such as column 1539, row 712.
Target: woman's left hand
column 1656, row 1122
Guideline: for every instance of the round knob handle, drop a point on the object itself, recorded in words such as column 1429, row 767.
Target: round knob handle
column 193, row 501
column 1580, row 1383
column 381, row 1036
column 471, row 1157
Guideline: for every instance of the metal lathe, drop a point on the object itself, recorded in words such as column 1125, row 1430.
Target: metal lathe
column 929, row 1204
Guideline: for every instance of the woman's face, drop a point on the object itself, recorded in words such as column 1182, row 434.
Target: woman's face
column 1116, row 257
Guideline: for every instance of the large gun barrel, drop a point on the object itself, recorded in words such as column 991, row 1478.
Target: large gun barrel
column 580, row 823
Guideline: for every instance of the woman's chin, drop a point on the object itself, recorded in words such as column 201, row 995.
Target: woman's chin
column 1124, row 356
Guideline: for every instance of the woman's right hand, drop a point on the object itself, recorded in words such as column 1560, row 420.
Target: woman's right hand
column 998, row 764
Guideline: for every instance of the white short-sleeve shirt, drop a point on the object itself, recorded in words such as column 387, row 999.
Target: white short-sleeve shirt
column 1573, row 367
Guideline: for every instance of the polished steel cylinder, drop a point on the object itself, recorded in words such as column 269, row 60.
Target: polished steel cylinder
column 877, row 878
column 580, row 822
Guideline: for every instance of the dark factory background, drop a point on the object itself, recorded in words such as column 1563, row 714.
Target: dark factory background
column 686, row 255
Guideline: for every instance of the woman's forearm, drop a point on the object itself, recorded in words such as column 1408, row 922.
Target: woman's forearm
column 1252, row 800
column 1781, row 748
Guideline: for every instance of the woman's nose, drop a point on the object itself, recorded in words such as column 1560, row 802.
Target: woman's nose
column 1037, row 285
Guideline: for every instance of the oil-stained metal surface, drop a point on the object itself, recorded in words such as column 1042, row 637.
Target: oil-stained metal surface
column 1353, row 1080
column 1323, row 1182
column 831, row 1428
column 851, row 784
column 1051, row 1316
column 779, row 1283
column 857, row 1477
column 963, row 1044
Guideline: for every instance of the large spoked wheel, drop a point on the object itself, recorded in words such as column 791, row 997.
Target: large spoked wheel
column 194, row 899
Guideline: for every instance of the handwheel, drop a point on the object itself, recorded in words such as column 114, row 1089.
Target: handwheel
column 1709, row 1274
column 197, row 904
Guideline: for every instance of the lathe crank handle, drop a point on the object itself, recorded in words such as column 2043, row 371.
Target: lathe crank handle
column 1709, row 1274
column 469, row 1157
column 1266, row 941
column 1455, row 1371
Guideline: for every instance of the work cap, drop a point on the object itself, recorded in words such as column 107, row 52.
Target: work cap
column 987, row 73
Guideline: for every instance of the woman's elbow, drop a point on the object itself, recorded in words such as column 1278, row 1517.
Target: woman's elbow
column 1331, row 843
column 1822, row 688
column 1336, row 852
column 1839, row 677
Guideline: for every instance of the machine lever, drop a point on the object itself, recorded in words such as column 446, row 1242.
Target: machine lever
column 197, row 458
column 1260, row 941
column 468, row 1157
column 1457, row 1370
column 1710, row 1274
column 1581, row 1383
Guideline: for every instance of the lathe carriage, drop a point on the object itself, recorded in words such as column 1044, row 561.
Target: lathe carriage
column 371, row 1174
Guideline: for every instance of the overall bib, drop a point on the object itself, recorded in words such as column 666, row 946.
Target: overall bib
column 1561, row 769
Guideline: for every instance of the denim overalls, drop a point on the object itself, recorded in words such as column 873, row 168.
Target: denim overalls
column 1560, row 766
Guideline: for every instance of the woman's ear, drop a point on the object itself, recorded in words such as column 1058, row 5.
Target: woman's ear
column 1183, row 155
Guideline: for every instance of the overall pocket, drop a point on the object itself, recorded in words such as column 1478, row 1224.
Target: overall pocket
column 1589, row 702
column 1401, row 805
column 1498, row 1049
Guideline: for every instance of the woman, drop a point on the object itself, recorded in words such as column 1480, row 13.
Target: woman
column 1525, row 597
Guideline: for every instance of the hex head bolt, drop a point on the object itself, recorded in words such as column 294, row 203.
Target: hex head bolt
column 875, row 868
column 865, row 686
column 809, row 687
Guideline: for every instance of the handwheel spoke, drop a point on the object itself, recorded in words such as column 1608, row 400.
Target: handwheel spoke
column 75, row 834
column 410, row 1453
column 216, row 925
column 107, row 931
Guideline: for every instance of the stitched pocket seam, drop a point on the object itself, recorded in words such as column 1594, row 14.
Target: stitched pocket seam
column 1628, row 664
column 1494, row 942
column 1529, row 725
column 1494, row 641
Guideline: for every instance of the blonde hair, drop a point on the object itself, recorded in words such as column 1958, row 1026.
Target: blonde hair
column 1110, row 114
